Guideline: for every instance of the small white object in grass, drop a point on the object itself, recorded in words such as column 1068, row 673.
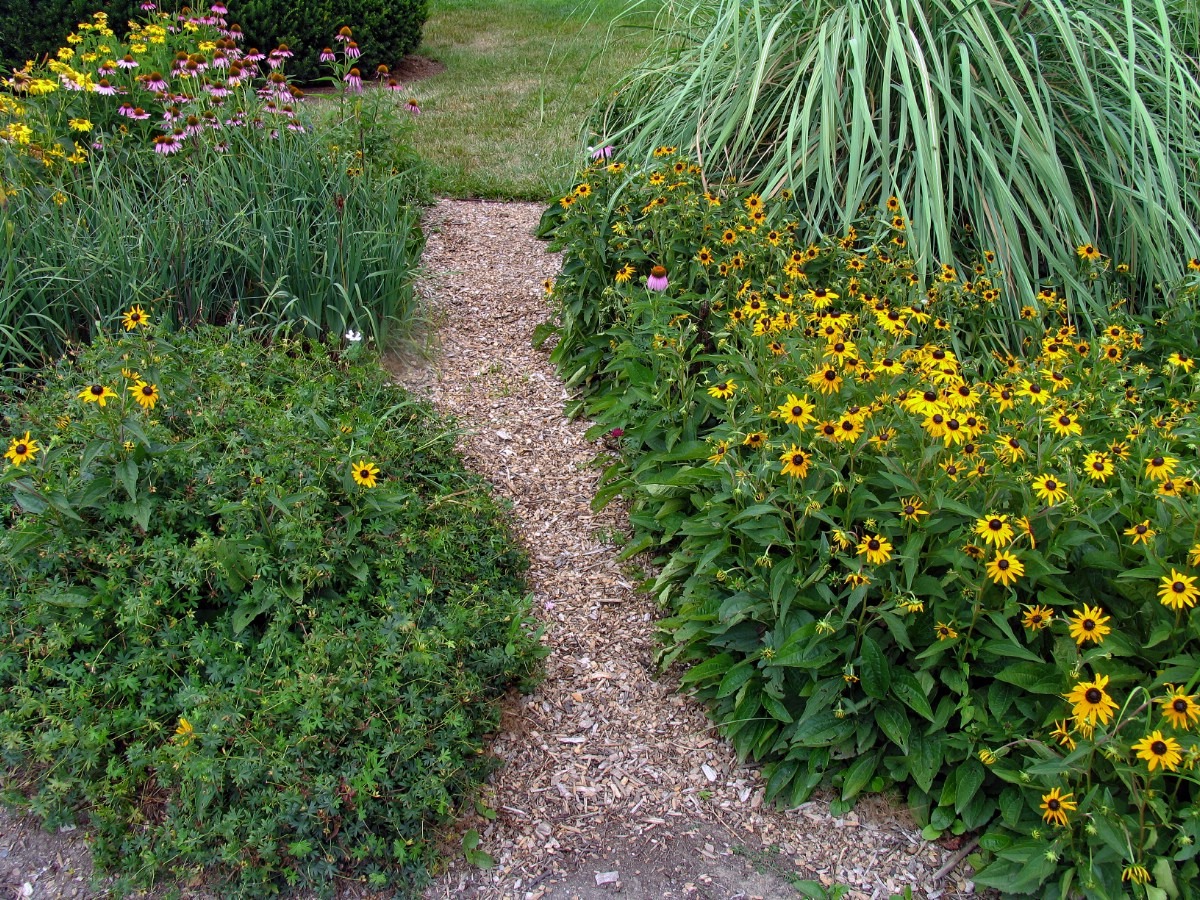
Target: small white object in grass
column 607, row 877
column 353, row 336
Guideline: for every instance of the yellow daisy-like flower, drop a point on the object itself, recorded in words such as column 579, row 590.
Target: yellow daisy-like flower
column 994, row 530
column 1050, row 489
column 795, row 461
column 1157, row 750
column 1181, row 361
column 1056, row 805
column 96, row 393
column 1160, row 468
column 1098, row 466
column 1194, row 555
column 1178, row 590
column 185, row 732
column 1091, row 703
column 1005, row 568
column 911, row 508
column 944, row 631
column 1180, row 708
column 724, row 390
column 1065, row 424
column 719, row 453
column 1135, row 873
column 1141, row 532
column 625, row 274
column 134, row 317
column 755, row 439
column 797, row 410
column 365, row 473
column 876, row 548
column 1087, row 252
column 1062, row 734
column 827, row 381
column 1089, row 625
column 21, row 450
column 145, row 394
column 1037, row 617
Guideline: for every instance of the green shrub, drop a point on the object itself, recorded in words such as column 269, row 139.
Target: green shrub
column 1024, row 128
column 257, row 616
column 253, row 214
column 892, row 564
column 33, row 29
column 385, row 30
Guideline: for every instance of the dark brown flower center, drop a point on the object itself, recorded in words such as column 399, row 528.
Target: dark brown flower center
column 798, row 411
column 1158, row 748
column 1157, row 462
column 1053, row 805
column 995, row 524
column 872, row 544
column 1051, row 485
column 148, row 391
column 1179, row 705
column 1141, row 529
column 1065, row 421
column 1002, row 565
column 21, row 449
column 929, row 396
column 847, row 425
column 1179, row 587
column 909, row 509
column 97, row 389
column 1088, row 624
column 1093, row 696
column 831, row 375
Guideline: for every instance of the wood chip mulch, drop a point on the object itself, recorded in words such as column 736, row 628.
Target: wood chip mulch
column 606, row 763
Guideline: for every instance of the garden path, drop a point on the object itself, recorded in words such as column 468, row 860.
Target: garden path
column 612, row 781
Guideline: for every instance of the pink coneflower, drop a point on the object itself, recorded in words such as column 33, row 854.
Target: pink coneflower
column 125, row 109
column 343, row 35
column 154, row 82
column 139, row 114
column 221, row 146
column 105, row 69
column 253, row 55
column 412, row 107
column 170, row 113
column 354, row 79
column 217, row 89
column 105, row 89
column 327, row 55
column 394, row 85
column 352, row 51
column 235, row 32
column 220, row 60
column 602, row 152
column 283, row 51
column 127, row 62
column 69, row 83
column 658, row 279
column 193, row 126
column 147, row 6
column 219, row 8
column 296, row 126
column 166, row 144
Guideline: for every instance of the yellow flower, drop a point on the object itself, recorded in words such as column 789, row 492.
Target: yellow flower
column 1038, row 617
column 987, row 757
column 994, row 530
column 1180, row 708
column 724, row 390
column 912, row 509
column 1056, row 805
column 719, row 454
column 365, row 473
column 796, row 410
column 1141, row 532
column 1135, row 873
column 1062, row 733
column 185, row 732
column 96, row 393
column 1160, row 468
column 83, row 125
column 1087, row 252
column 755, row 440
column 1159, row 751
column 1194, row 555
column 22, row 450
column 944, row 632
column 795, row 461
column 1005, row 568
column 1098, row 466
column 1091, row 702
column 134, row 317
column 1178, row 590
column 876, row 548
column 145, row 394
column 1089, row 625
column 1050, row 489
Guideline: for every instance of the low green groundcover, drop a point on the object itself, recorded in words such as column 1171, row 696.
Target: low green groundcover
column 256, row 614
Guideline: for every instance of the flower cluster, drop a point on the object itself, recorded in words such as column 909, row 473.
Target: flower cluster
column 867, row 496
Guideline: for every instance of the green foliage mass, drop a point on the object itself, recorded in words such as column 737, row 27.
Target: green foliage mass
column 256, row 216
column 888, row 563
column 1026, row 128
column 221, row 650
column 385, row 30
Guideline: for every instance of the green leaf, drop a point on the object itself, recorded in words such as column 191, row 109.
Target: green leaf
column 1037, row 678
column 970, row 780
column 893, row 722
column 735, row 678
column 127, row 474
column 875, row 674
column 858, row 775
column 909, row 691
column 708, row 669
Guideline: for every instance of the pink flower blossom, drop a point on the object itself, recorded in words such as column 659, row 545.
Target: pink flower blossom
column 658, row 279
column 105, row 89
column 354, row 80
column 147, row 6
column 327, row 55
column 155, row 82
column 352, row 51
column 127, row 62
column 412, row 106
column 602, row 152
column 166, row 144
column 394, row 85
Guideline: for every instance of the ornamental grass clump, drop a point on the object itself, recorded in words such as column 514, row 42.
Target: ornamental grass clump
column 1024, row 128
column 178, row 167
column 257, row 616
column 889, row 562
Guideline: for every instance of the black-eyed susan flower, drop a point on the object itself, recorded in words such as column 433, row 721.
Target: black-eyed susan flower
column 797, row 410
column 625, row 274
column 1005, row 568
column 876, row 548
column 849, row 428
column 723, row 390
column 96, row 393
column 1090, row 702
column 1062, row 734
column 857, row 579
column 1180, row 708
column 1033, row 392
column 995, row 530
column 827, row 380
column 755, row 440
column 912, row 509
column 1049, row 489
column 795, row 461
column 1037, row 617
column 1159, row 751
column 1064, row 424
column 1098, row 466
column 1194, row 555
column 1160, row 468
column 1055, row 806
column 1089, row 624
column 185, row 732
column 22, row 450
column 1181, row 361
column 1178, row 590
column 1136, row 874
column 1087, row 252
column 145, row 394
column 944, row 631
column 1141, row 533
column 705, row 257
column 718, row 454
column 365, row 473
